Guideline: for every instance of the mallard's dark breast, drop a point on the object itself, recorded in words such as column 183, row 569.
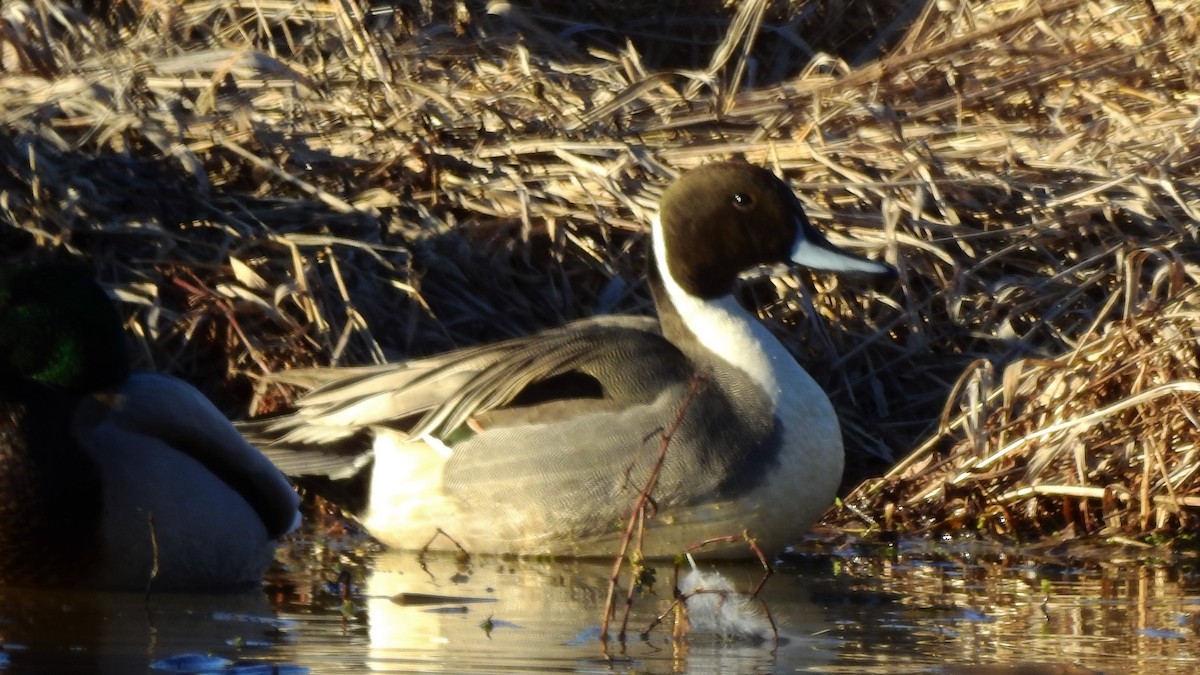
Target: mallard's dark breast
column 49, row 491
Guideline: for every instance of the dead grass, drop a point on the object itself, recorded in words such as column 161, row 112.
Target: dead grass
column 278, row 183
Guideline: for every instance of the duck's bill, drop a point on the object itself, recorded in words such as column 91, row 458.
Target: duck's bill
column 813, row 250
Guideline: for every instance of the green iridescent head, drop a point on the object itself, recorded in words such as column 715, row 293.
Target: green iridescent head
column 58, row 327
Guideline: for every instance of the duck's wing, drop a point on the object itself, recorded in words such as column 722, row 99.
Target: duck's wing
column 178, row 415
column 561, row 471
column 542, row 377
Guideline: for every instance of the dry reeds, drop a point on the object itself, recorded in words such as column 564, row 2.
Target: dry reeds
column 1101, row 440
column 282, row 182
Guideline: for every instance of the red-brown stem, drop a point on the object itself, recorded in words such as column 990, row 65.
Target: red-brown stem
column 635, row 516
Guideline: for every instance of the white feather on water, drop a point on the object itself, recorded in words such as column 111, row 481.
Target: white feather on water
column 716, row 608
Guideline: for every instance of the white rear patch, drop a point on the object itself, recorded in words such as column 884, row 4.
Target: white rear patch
column 408, row 503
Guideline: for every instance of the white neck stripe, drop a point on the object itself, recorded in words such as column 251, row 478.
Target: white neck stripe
column 730, row 332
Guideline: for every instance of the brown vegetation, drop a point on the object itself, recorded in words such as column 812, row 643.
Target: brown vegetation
column 280, row 182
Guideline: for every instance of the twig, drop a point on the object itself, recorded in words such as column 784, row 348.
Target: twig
column 200, row 290
column 697, row 385
column 153, row 555
column 461, row 556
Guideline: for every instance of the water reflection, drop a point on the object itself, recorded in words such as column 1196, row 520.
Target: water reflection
column 522, row 615
column 839, row 610
column 965, row 607
column 50, row 631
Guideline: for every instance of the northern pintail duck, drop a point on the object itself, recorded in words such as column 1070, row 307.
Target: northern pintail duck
column 540, row 444
column 106, row 473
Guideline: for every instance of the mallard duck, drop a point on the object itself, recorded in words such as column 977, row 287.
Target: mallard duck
column 540, row 445
column 117, row 479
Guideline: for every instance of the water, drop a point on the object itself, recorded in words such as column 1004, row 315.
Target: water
column 843, row 611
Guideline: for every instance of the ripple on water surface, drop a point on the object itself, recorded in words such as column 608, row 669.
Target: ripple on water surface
column 845, row 612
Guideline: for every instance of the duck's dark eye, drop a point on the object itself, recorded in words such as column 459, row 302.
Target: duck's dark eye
column 742, row 200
